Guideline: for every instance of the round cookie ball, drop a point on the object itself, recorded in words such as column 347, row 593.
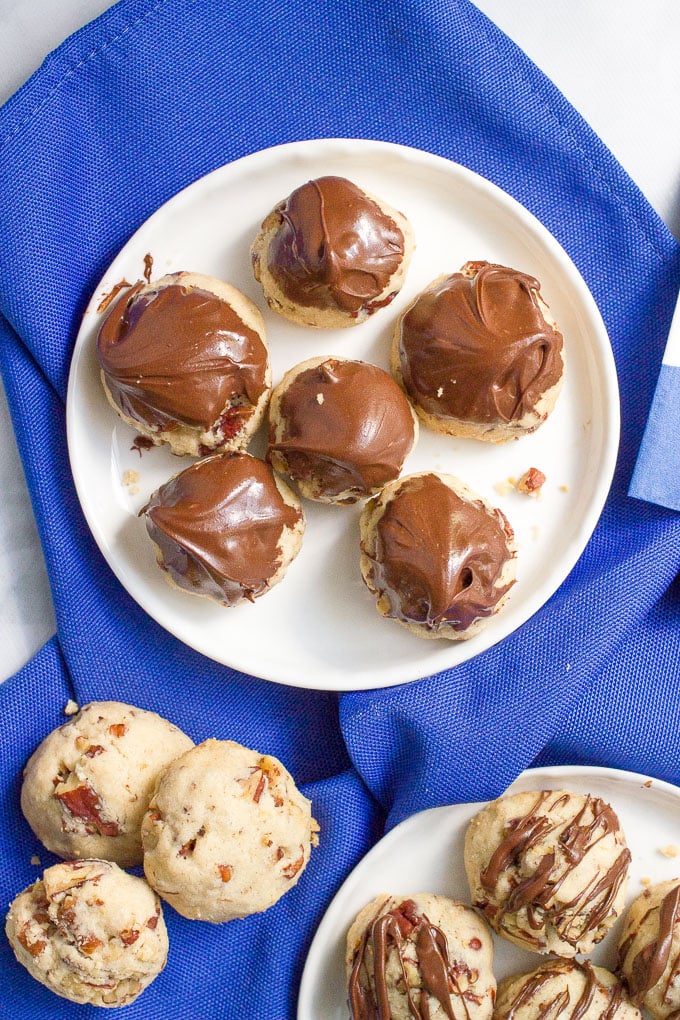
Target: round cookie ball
column 86, row 787
column 330, row 254
column 426, row 950
column 478, row 354
column 89, row 932
column 227, row 832
column 184, row 360
column 567, row 989
column 548, row 869
column 226, row 528
column 439, row 559
column 340, row 429
column 649, row 950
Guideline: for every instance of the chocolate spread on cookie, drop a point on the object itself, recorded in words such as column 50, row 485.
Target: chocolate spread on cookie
column 179, row 355
column 347, row 427
column 533, row 990
column 439, row 557
column 538, row 892
column 218, row 526
column 479, row 349
column 649, row 964
column 335, row 247
column 391, row 933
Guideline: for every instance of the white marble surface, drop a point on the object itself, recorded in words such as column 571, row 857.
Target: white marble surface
column 616, row 61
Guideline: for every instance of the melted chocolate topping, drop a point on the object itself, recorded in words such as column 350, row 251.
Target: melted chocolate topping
column 335, row 247
column 179, row 355
column 438, row 557
column 393, row 933
column 533, row 990
column 218, row 525
column 649, row 964
column 538, row 893
column 479, row 350
column 347, row 427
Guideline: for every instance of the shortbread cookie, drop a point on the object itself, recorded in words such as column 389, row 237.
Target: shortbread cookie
column 439, row 559
column 549, row 869
column 340, row 429
column 227, row 832
column 89, row 932
column 649, row 950
column 226, row 528
column 420, row 956
column 564, row 990
column 331, row 254
column 88, row 784
column 184, row 361
column 479, row 355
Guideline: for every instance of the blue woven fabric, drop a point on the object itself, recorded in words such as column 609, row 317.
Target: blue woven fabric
column 128, row 111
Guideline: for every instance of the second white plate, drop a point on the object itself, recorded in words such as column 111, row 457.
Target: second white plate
column 425, row 854
column 319, row 628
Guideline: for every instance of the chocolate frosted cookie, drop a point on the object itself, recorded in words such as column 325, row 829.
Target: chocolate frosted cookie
column 439, row 559
column 184, row 361
column 419, row 956
column 564, row 989
column 89, row 932
column 649, row 950
column 478, row 354
column 227, row 832
column 226, row 528
column 330, row 254
column 340, row 429
column 88, row 784
column 549, row 869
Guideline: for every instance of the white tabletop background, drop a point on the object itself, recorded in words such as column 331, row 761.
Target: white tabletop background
column 616, row 61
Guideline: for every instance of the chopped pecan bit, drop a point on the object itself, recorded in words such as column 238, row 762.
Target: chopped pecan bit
column 154, row 816
column 292, row 869
column 259, row 788
column 70, row 875
column 118, row 729
column 80, row 742
column 128, row 936
column 475, row 943
column 88, row 944
column 280, row 852
column 531, row 481
column 188, row 848
column 225, row 871
column 93, row 750
column 34, row 948
column 152, row 922
column 83, row 803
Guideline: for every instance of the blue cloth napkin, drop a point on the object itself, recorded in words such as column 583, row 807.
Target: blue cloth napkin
column 129, row 110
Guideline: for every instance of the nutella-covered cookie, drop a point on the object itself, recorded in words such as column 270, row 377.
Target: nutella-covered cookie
column 439, row 558
column 419, row 956
column 184, row 361
column 89, row 932
column 227, row 832
column 340, row 429
column 225, row 528
column 87, row 786
column 564, row 989
column 548, row 869
column 479, row 355
column 331, row 254
column 649, row 950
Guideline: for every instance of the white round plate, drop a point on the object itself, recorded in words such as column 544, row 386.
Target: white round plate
column 425, row 854
column 319, row 628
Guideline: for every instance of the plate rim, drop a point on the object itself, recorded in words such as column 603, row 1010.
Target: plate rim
column 306, row 149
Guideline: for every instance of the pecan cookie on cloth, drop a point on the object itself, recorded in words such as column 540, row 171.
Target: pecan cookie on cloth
column 87, row 785
column 227, row 832
column 89, row 932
